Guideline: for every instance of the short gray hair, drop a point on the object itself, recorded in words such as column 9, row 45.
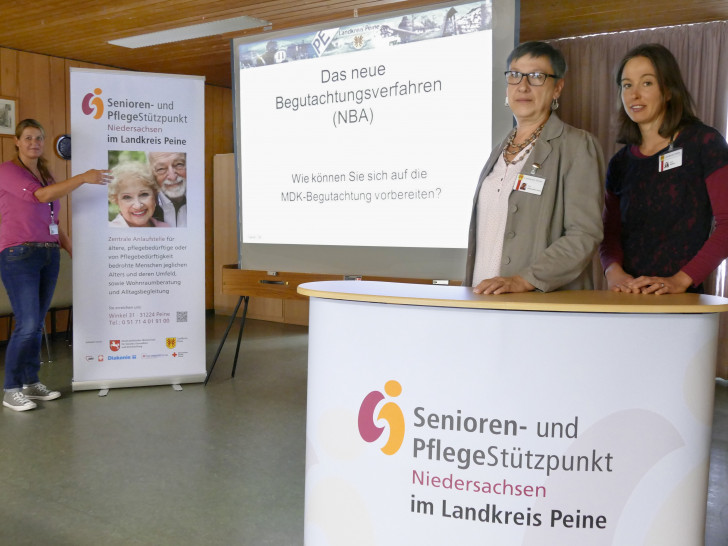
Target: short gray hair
column 540, row 49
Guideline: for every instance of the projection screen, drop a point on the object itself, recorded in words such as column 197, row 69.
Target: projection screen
column 359, row 143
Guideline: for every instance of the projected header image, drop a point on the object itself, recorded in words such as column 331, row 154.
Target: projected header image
column 402, row 29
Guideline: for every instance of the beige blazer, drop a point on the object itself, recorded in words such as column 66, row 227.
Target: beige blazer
column 550, row 238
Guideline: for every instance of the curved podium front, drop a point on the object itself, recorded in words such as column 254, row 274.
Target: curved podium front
column 437, row 417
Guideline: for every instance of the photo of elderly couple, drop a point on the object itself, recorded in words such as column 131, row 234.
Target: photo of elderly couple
column 147, row 189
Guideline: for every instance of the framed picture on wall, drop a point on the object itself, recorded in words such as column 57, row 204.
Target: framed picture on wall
column 8, row 108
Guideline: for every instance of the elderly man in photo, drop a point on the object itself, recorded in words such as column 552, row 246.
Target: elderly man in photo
column 170, row 171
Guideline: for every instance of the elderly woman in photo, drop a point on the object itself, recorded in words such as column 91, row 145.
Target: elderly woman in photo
column 536, row 218
column 134, row 190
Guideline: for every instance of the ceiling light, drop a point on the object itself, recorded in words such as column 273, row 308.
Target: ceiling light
column 190, row 32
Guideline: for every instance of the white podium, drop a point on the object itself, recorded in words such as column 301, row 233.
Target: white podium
column 439, row 417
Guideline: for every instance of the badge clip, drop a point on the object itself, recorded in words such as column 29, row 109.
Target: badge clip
column 535, row 167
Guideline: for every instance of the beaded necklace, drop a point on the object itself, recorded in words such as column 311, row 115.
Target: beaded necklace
column 519, row 147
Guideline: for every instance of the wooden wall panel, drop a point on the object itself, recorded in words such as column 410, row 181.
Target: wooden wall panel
column 8, row 88
column 56, row 126
column 8, row 72
column 41, row 95
column 7, row 148
column 218, row 140
column 57, row 118
column 34, row 87
column 210, row 116
column 224, row 228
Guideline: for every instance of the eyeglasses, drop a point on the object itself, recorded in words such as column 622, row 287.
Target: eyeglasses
column 177, row 166
column 514, row 77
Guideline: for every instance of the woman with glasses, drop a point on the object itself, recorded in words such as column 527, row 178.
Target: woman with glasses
column 536, row 219
column 30, row 240
column 666, row 187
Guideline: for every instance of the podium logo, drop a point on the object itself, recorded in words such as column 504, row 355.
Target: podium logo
column 92, row 104
column 390, row 412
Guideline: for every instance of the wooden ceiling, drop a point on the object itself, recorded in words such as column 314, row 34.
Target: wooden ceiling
column 81, row 30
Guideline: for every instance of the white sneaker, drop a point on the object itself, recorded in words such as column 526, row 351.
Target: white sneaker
column 39, row 391
column 17, row 401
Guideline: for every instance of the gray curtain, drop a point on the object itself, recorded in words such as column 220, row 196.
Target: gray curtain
column 590, row 99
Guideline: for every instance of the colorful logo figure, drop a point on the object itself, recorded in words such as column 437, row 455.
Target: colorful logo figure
column 390, row 412
column 171, row 342
column 92, row 103
column 114, row 344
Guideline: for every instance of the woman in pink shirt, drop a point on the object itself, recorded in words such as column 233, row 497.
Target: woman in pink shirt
column 30, row 241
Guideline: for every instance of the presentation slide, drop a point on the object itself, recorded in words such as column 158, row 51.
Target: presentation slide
column 366, row 135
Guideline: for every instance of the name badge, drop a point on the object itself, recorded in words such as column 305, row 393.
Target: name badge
column 670, row 160
column 53, row 229
column 529, row 184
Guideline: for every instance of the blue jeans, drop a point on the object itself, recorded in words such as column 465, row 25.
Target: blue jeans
column 29, row 275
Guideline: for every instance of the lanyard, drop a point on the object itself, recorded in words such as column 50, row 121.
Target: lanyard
column 42, row 182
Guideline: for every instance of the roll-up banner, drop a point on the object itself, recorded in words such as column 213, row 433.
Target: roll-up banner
column 138, row 243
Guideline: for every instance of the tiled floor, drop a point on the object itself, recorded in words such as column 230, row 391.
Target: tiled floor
column 215, row 465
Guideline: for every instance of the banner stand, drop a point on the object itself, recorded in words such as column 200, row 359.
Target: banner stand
column 140, row 382
column 138, row 244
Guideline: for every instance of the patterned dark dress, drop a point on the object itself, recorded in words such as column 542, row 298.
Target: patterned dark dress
column 657, row 223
